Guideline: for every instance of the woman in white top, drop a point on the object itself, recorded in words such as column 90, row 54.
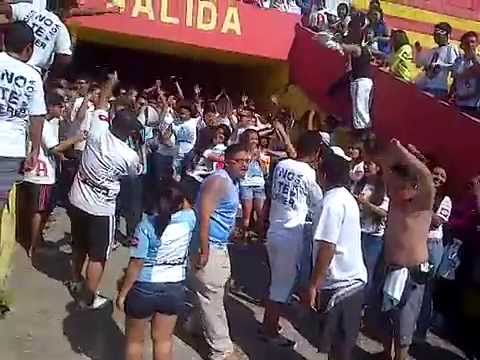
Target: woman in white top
column 357, row 165
column 442, row 209
column 204, row 165
column 370, row 193
column 252, row 186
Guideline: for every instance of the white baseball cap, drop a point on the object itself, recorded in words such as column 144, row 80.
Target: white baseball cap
column 338, row 151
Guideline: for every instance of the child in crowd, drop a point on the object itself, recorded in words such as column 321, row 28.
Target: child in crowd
column 39, row 183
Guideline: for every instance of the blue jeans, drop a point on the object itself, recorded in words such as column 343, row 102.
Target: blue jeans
column 372, row 247
column 435, row 254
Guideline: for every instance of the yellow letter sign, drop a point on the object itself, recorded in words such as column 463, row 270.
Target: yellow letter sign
column 232, row 21
column 143, row 7
column 164, row 17
column 203, row 22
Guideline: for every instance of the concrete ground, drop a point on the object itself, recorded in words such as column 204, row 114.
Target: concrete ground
column 44, row 324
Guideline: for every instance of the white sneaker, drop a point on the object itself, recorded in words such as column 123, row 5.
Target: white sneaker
column 99, row 302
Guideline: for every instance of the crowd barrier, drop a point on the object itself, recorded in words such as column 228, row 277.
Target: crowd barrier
column 399, row 109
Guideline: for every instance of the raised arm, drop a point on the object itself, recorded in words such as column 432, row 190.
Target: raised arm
column 107, row 91
column 179, row 90
column 404, row 156
column 68, row 143
column 283, row 135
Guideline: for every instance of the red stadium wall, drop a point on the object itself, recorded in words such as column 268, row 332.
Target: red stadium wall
column 399, row 109
column 225, row 25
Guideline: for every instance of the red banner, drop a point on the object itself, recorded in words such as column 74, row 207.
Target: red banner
column 217, row 24
column 399, row 109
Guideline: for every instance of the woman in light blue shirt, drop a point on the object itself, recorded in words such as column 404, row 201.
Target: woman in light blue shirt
column 153, row 287
column 252, row 186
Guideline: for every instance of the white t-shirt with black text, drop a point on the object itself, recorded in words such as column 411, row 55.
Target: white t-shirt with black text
column 44, row 172
column 21, row 96
column 338, row 223
column 295, row 192
column 51, row 34
column 105, row 159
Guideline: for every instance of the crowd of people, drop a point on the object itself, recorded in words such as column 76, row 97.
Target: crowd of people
column 431, row 70
column 359, row 229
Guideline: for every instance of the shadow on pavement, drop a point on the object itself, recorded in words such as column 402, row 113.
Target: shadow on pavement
column 250, row 269
column 245, row 334
column 52, row 261
column 94, row 334
column 427, row 351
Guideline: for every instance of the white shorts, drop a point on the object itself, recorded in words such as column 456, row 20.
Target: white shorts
column 361, row 91
column 285, row 257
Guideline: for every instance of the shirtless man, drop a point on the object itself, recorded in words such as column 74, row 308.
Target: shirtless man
column 411, row 191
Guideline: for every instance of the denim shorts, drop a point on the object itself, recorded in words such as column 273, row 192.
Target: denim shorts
column 146, row 299
column 252, row 192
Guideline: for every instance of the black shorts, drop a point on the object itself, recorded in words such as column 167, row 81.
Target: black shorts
column 146, row 299
column 38, row 196
column 339, row 327
column 92, row 233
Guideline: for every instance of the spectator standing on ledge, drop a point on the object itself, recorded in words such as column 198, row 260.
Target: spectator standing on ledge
column 25, row 106
column 361, row 78
column 437, row 62
column 465, row 91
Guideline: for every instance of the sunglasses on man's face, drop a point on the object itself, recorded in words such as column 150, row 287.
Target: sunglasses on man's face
column 440, row 32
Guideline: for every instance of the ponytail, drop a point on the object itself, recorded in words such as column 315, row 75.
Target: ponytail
column 170, row 200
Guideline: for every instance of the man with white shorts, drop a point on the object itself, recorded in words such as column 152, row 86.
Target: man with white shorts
column 361, row 75
column 93, row 196
column 295, row 192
